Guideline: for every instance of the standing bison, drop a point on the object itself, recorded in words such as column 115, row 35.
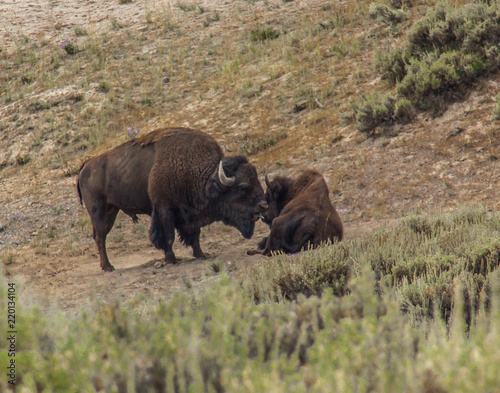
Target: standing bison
column 300, row 214
column 180, row 178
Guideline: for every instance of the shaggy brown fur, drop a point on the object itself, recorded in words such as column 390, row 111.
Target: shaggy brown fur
column 172, row 175
column 300, row 214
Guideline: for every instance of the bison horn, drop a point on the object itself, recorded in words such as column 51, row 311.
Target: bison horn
column 225, row 181
column 267, row 181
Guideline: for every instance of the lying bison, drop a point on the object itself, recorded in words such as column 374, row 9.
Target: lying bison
column 180, row 178
column 300, row 214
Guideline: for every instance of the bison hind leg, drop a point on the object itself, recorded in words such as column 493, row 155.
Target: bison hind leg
column 103, row 217
column 299, row 230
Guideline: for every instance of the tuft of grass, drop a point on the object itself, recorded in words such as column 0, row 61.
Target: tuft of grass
column 8, row 257
column 496, row 111
column 386, row 14
column 263, row 34
column 255, row 145
column 80, row 31
column 186, row 7
column 216, row 267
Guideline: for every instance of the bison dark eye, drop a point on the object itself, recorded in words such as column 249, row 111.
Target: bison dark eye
column 244, row 188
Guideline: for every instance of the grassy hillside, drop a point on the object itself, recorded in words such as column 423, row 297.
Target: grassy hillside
column 268, row 70
column 411, row 309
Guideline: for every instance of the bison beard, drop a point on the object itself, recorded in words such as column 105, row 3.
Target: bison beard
column 177, row 176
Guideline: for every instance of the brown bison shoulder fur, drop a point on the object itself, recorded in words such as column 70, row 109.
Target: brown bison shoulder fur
column 180, row 178
column 300, row 214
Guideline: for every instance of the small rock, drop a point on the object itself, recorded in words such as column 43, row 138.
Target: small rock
column 160, row 264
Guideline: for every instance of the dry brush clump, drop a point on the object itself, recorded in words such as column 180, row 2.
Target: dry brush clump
column 308, row 274
column 221, row 341
column 423, row 260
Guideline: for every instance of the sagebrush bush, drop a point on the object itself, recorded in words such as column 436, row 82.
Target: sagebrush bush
column 222, row 342
column 445, row 52
column 386, row 14
column 374, row 111
column 306, row 274
column 404, row 110
column 422, row 260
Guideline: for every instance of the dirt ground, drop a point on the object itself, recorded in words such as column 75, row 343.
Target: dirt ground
column 45, row 235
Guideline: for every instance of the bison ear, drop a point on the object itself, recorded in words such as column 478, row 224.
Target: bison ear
column 268, row 183
column 276, row 191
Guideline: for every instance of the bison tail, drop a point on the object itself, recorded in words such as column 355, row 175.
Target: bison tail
column 156, row 231
column 78, row 183
column 288, row 244
column 79, row 192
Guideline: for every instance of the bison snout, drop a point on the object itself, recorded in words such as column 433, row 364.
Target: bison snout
column 262, row 206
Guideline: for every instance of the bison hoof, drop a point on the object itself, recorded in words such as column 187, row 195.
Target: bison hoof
column 254, row 252
column 199, row 255
column 108, row 268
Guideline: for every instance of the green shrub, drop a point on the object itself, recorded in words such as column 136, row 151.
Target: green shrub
column 308, row 274
column 445, row 52
column 222, row 342
column 404, row 110
column 374, row 111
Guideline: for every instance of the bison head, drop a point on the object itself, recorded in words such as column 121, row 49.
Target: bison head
column 277, row 196
column 235, row 192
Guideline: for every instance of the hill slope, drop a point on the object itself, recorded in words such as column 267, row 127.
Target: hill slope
column 274, row 80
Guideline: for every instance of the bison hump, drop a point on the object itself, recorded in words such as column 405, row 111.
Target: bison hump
column 155, row 136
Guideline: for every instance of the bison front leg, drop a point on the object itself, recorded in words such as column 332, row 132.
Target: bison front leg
column 197, row 253
column 191, row 237
column 102, row 222
column 162, row 233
